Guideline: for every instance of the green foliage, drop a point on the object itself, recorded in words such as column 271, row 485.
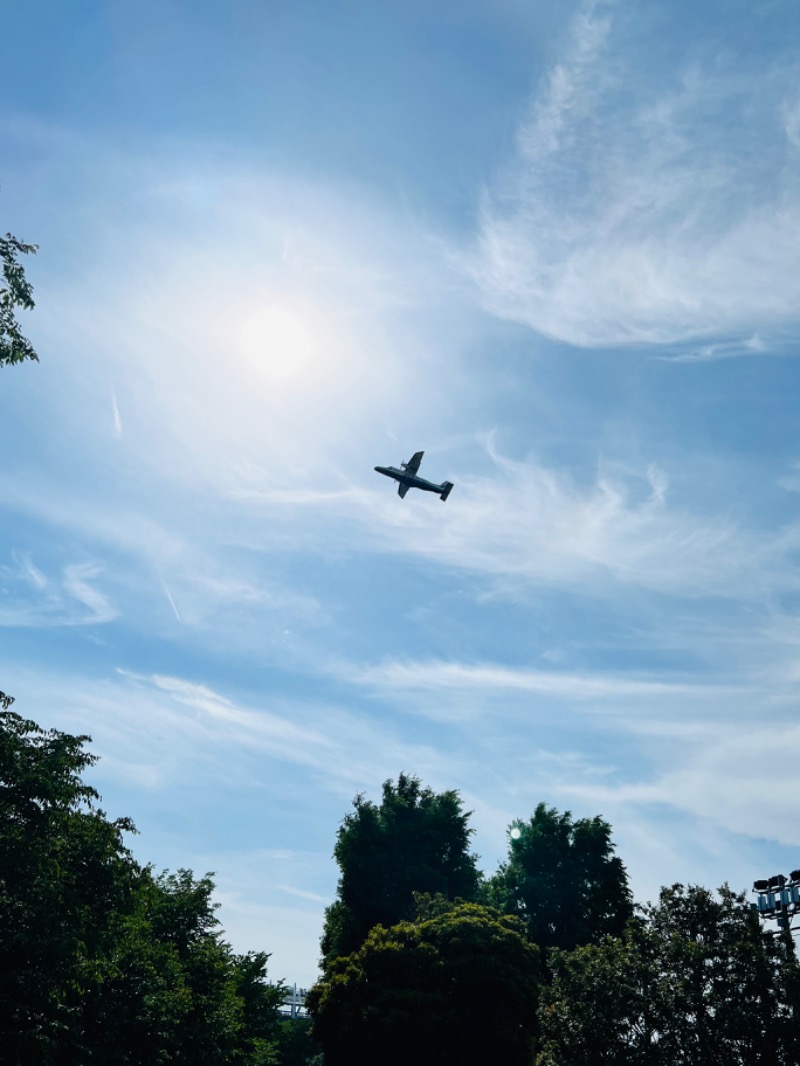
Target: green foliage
column 100, row 960
column 15, row 292
column 295, row 1044
column 415, row 841
column 62, row 871
column 562, row 879
column 692, row 981
column 461, row 986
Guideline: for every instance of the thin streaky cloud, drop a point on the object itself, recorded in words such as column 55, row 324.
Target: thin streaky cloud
column 167, row 593
column 570, row 87
column 709, row 353
column 116, row 416
column 28, row 570
column 51, row 503
column 742, row 780
column 433, row 675
column 301, row 893
column 77, row 583
column 340, row 746
column 69, row 598
column 539, row 524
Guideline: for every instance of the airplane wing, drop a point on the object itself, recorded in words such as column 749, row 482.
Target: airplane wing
column 402, row 490
column 412, row 466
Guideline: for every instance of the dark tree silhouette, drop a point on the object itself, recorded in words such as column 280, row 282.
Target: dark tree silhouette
column 416, row 840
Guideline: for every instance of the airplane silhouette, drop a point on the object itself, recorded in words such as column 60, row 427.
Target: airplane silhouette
column 408, row 478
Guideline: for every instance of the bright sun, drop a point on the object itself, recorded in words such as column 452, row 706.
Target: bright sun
column 286, row 344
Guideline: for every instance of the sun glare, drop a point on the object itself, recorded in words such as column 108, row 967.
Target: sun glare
column 286, row 345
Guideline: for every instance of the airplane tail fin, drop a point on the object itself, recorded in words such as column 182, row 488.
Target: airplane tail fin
column 447, row 485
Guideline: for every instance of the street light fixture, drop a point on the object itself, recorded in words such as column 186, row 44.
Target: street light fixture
column 778, row 900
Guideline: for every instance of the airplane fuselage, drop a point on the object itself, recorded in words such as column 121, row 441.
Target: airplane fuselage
column 409, row 480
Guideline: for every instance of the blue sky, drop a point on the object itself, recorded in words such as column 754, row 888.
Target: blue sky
column 283, row 243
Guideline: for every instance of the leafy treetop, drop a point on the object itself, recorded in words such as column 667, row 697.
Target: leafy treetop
column 416, row 840
column 563, row 879
column 691, row 981
column 100, row 959
column 458, row 984
column 15, row 291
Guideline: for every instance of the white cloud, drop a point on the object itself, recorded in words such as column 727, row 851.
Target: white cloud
column 712, row 765
column 301, row 893
column 709, row 353
column 181, row 725
column 434, row 676
column 540, row 525
column 568, row 93
column 29, row 571
column 525, row 526
column 740, row 779
column 168, row 594
column 71, row 597
column 161, row 565
column 627, row 217
column 116, row 416
column 77, row 583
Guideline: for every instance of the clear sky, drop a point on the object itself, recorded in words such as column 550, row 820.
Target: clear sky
column 556, row 246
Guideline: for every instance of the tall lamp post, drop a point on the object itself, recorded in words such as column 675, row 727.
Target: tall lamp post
column 778, row 901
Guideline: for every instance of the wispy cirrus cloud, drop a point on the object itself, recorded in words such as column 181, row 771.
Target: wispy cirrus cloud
column 435, row 676
column 153, row 565
column 69, row 596
column 619, row 526
column 741, row 780
column 627, row 217
column 710, row 353
column 182, row 722
column 117, row 420
column 622, row 528
column 710, row 762
column 302, row 893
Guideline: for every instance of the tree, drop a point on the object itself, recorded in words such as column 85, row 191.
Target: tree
column 218, row 1005
column 15, row 292
column 562, row 879
column 62, row 871
column 460, row 986
column 415, row 841
column 691, row 981
column 100, row 959
column 296, row 1046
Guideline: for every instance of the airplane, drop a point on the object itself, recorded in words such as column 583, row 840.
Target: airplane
column 408, row 478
